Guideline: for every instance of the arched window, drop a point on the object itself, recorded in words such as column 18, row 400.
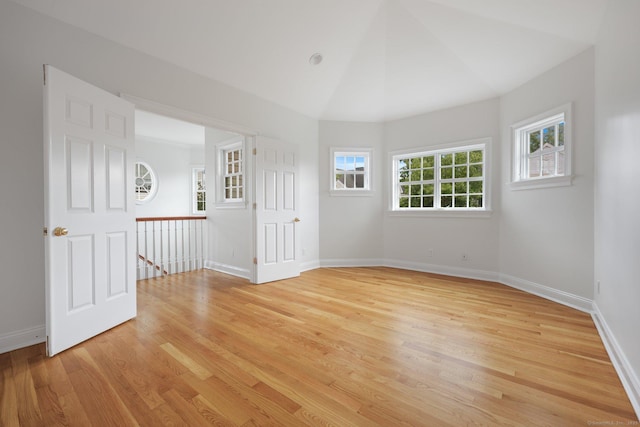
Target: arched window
column 146, row 183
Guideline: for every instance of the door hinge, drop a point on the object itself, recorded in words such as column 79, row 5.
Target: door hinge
column 255, row 206
column 46, row 346
column 45, row 231
column 254, row 151
column 255, row 261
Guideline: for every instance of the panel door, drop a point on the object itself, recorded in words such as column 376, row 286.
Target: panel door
column 276, row 213
column 89, row 210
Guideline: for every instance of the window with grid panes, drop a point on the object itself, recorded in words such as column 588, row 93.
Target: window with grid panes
column 146, row 183
column 199, row 191
column 351, row 170
column 452, row 178
column 233, row 187
column 542, row 149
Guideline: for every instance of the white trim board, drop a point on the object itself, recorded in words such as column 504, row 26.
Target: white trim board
column 561, row 297
column 355, row 262
column 309, row 265
column 627, row 375
column 412, row 266
column 186, row 115
column 467, row 273
column 24, row 338
column 228, row 269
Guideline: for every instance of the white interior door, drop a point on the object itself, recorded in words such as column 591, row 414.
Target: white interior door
column 276, row 210
column 89, row 210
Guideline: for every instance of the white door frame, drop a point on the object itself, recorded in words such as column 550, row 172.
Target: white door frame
column 207, row 121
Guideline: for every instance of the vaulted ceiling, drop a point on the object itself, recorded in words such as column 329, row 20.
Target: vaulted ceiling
column 383, row 59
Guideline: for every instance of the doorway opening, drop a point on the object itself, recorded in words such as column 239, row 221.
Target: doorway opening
column 183, row 171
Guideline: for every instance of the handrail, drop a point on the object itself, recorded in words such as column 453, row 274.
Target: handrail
column 170, row 218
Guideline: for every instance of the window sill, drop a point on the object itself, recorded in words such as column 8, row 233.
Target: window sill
column 231, row 205
column 442, row 213
column 531, row 184
column 351, row 193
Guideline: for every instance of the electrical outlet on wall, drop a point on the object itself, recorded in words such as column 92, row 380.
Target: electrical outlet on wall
column 430, row 253
column 465, row 257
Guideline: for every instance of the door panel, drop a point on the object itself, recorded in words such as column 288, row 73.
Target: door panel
column 81, row 282
column 276, row 212
column 89, row 199
column 79, row 173
column 116, row 178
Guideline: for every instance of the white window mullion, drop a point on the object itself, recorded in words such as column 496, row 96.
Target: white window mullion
column 437, row 203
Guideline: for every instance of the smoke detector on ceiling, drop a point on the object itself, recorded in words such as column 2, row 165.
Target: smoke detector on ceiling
column 315, row 59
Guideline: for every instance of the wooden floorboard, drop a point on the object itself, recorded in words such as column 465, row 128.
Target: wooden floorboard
column 334, row 347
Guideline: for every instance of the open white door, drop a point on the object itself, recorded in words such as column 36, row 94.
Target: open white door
column 276, row 210
column 89, row 210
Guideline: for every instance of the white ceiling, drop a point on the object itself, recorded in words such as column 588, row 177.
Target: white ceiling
column 383, row 59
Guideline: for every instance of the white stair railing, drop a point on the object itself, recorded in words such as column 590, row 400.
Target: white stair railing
column 169, row 245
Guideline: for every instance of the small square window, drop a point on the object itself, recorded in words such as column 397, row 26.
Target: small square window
column 350, row 171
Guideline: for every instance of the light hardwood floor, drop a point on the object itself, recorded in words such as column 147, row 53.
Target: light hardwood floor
column 341, row 347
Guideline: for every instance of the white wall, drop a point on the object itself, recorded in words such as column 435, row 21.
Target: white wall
column 546, row 235
column 28, row 40
column 351, row 226
column 230, row 231
column 172, row 165
column 408, row 240
column 617, row 205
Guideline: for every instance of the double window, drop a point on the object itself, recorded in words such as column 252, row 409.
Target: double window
column 449, row 178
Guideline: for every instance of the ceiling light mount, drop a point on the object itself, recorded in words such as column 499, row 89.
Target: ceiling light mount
column 315, row 59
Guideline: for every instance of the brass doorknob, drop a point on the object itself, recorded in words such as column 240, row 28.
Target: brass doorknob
column 60, row 231
column 296, row 219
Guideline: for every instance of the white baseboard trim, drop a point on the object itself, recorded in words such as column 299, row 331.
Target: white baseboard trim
column 561, row 297
column 354, row 262
column 23, row 338
column 309, row 265
column 413, row 266
column 468, row 273
column 627, row 375
column 228, row 269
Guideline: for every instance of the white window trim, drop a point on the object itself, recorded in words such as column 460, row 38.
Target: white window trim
column 519, row 147
column 483, row 212
column 194, row 201
column 352, row 151
column 154, row 183
column 220, row 201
